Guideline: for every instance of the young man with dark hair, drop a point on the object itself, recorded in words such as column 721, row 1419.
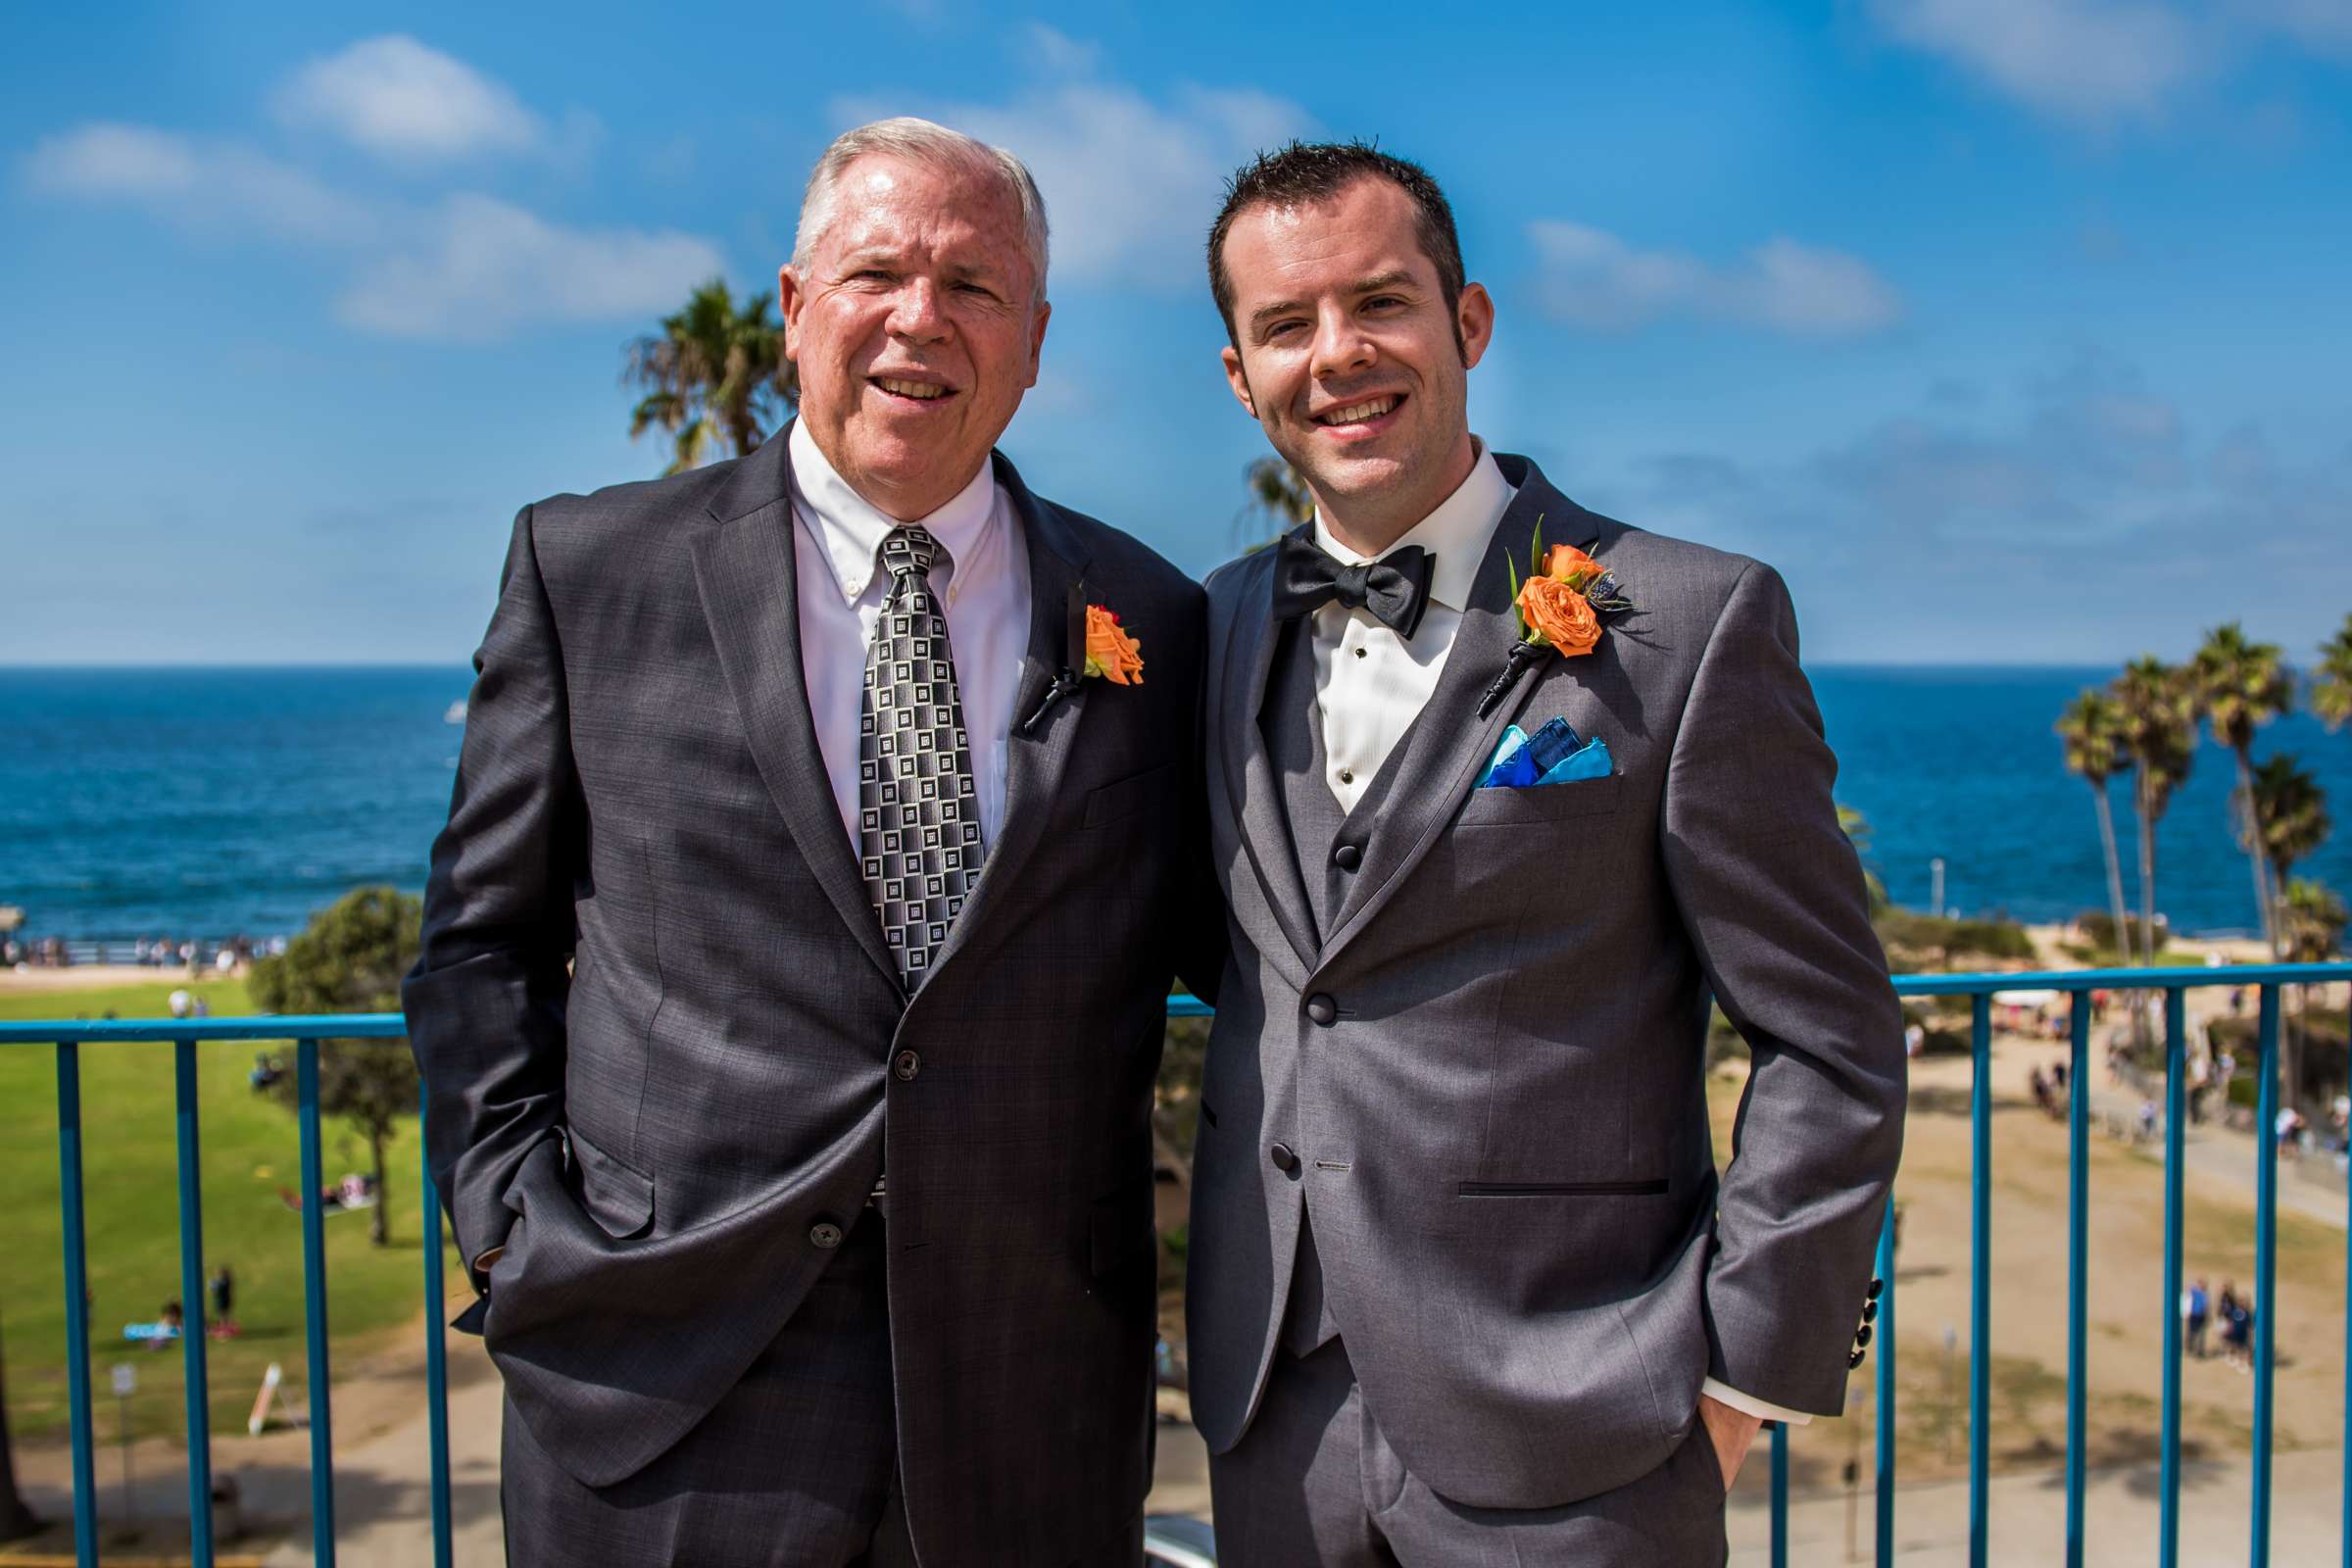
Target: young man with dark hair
column 1464, row 1284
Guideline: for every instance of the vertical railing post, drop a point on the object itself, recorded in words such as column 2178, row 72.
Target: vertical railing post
column 2077, row 1271
column 1980, row 1275
column 2176, row 1115
column 78, row 1304
column 2266, row 1261
column 191, row 1318
column 314, row 1301
column 1885, row 1343
column 1780, row 1495
column 436, row 1347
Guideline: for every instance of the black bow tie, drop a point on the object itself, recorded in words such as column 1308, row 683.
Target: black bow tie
column 1395, row 588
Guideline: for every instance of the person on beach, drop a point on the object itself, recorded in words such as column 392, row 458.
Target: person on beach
column 1463, row 1285
column 2197, row 1305
column 816, row 1229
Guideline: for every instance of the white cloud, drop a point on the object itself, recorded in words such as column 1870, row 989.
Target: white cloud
column 2101, row 61
column 2075, row 516
column 109, row 158
column 2323, row 25
column 479, row 267
column 2086, row 60
column 224, row 187
column 398, row 99
column 1594, row 279
column 467, row 267
column 1131, row 184
column 1058, row 51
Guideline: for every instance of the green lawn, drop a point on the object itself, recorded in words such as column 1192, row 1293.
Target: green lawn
column 251, row 1149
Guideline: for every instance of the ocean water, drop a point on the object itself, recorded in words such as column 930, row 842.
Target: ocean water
column 207, row 802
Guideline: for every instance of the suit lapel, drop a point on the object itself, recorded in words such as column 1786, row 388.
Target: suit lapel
column 749, row 583
column 1036, row 756
column 1449, row 741
column 1253, row 791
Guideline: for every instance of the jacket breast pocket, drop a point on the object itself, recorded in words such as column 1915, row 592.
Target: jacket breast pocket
column 1542, row 802
column 1123, row 798
column 618, row 1197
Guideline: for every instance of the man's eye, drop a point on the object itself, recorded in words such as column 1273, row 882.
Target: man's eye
column 1383, row 302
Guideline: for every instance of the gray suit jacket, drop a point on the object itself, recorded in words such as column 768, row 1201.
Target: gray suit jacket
column 665, row 1044
column 1501, row 1130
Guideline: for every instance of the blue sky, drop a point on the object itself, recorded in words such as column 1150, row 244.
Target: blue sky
column 2011, row 330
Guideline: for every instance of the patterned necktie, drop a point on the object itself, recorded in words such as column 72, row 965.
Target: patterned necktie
column 918, row 819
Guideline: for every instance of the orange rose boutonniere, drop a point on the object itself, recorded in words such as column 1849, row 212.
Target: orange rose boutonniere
column 1109, row 652
column 1560, row 607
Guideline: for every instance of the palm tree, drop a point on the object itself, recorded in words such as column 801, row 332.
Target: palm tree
column 714, row 375
column 1278, row 498
column 2092, row 729
column 1856, row 827
column 2312, row 919
column 2160, row 733
column 2311, row 928
column 2291, row 821
column 2243, row 685
column 2291, row 814
column 2331, row 682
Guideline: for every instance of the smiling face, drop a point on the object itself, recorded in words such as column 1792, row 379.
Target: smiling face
column 1349, row 358
column 917, row 326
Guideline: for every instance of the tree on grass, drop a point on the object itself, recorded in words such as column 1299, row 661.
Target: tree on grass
column 351, row 960
column 2092, row 728
column 714, row 376
column 2241, row 686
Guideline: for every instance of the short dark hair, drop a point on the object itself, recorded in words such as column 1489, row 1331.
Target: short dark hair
column 1303, row 173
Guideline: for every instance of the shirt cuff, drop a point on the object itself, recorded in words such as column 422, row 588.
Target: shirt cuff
column 1749, row 1404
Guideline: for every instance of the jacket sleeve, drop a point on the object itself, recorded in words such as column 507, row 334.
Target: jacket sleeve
column 485, row 1002
column 1772, row 894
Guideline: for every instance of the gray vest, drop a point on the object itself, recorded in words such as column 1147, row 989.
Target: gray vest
column 1329, row 846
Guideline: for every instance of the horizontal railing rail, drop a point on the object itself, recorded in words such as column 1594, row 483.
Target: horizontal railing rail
column 67, row 1036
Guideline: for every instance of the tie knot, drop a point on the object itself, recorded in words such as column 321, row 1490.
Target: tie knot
column 909, row 553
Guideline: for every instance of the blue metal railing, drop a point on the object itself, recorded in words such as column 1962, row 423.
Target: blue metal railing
column 68, row 1037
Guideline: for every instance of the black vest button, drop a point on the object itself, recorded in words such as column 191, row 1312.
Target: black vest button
column 1322, row 1010
column 1283, row 1160
column 1348, row 856
column 907, row 1065
column 825, row 1233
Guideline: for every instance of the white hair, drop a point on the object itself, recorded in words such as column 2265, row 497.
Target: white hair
column 918, row 141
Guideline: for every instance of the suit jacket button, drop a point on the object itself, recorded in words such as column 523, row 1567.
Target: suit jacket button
column 824, row 1234
column 1348, row 856
column 1283, row 1160
column 1322, row 1010
column 905, row 1067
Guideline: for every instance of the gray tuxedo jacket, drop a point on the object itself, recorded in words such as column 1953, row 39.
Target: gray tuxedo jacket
column 666, row 1048
column 1484, row 1080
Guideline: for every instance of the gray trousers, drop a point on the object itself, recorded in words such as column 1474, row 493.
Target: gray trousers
column 1313, row 1484
column 795, row 1467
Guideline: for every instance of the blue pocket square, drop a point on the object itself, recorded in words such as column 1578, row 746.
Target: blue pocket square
column 1554, row 755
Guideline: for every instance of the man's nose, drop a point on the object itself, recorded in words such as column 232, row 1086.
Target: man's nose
column 1340, row 347
column 915, row 313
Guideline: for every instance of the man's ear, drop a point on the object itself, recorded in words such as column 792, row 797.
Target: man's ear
column 1474, row 321
column 1036, row 339
column 1238, row 379
column 790, row 300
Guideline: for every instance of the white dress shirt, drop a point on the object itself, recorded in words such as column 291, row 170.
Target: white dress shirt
column 1371, row 684
column 982, row 585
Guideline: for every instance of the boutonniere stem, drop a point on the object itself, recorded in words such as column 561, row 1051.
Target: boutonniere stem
column 1560, row 607
column 1099, row 649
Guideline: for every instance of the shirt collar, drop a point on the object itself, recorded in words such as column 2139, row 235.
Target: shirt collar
column 1455, row 535
column 850, row 529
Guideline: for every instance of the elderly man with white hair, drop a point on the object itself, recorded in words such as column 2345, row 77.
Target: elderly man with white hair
column 797, row 953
